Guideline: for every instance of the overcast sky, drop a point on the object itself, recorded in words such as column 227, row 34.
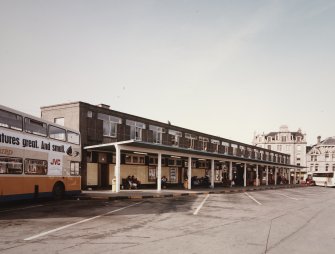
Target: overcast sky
column 227, row 68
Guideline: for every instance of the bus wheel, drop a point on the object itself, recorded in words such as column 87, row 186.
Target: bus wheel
column 58, row 191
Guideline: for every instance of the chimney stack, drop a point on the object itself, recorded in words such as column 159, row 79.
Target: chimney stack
column 319, row 140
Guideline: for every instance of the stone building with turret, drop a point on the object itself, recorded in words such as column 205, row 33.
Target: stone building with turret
column 285, row 141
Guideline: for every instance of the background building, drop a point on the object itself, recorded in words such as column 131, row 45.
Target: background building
column 321, row 156
column 285, row 141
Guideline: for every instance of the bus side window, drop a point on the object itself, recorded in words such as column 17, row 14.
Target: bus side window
column 35, row 127
column 11, row 165
column 56, row 133
column 73, row 137
column 10, row 120
column 74, row 171
column 35, row 167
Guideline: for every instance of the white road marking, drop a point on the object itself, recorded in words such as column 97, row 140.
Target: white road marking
column 286, row 196
column 78, row 222
column 252, row 198
column 200, row 206
column 22, row 208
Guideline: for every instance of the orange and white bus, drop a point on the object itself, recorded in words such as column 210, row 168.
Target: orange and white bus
column 37, row 158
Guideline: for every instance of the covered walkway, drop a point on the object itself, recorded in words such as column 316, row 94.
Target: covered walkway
column 221, row 169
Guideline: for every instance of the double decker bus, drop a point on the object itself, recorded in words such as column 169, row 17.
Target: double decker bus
column 324, row 179
column 37, row 158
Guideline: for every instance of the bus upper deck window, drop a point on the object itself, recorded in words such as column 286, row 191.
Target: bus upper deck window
column 10, row 120
column 35, row 127
column 56, row 133
column 73, row 137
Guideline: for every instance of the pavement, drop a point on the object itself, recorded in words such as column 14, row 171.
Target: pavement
column 166, row 193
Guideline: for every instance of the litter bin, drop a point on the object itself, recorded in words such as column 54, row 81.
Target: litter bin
column 114, row 185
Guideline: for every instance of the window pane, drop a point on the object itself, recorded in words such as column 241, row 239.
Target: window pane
column 11, row 165
column 35, row 127
column 73, row 137
column 59, row 121
column 10, row 120
column 74, row 169
column 35, row 167
column 56, row 133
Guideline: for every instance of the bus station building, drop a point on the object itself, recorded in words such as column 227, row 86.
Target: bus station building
column 116, row 145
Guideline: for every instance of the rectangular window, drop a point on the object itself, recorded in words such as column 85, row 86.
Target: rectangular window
column 269, row 147
column 278, row 147
column 234, row 146
column 298, row 147
column 283, row 138
column 35, row 167
column 89, row 114
column 327, row 167
column 153, row 160
column 175, row 137
column 203, row 143
column 135, row 129
column 191, row 139
column 56, row 133
column 35, row 127
column 225, row 145
column 215, row 145
column 10, row 120
column 73, row 137
column 11, row 165
column 242, row 150
column 59, row 121
column 74, row 170
column 157, row 133
column 109, row 124
column 287, row 148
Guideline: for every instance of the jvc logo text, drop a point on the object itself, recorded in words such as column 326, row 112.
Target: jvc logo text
column 55, row 162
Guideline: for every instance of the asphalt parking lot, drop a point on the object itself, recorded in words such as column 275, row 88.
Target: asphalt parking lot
column 298, row 220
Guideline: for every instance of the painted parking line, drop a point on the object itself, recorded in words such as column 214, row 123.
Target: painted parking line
column 286, row 196
column 201, row 205
column 22, row 208
column 252, row 198
column 78, row 222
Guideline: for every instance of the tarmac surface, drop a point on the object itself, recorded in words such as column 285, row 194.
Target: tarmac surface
column 166, row 193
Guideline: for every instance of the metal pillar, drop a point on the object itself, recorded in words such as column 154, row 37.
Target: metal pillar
column 212, row 174
column 189, row 172
column 276, row 171
column 289, row 175
column 245, row 174
column 295, row 177
column 267, row 175
column 117, row 168
column 230, row 170
column 159, row 173
column 257, row 177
